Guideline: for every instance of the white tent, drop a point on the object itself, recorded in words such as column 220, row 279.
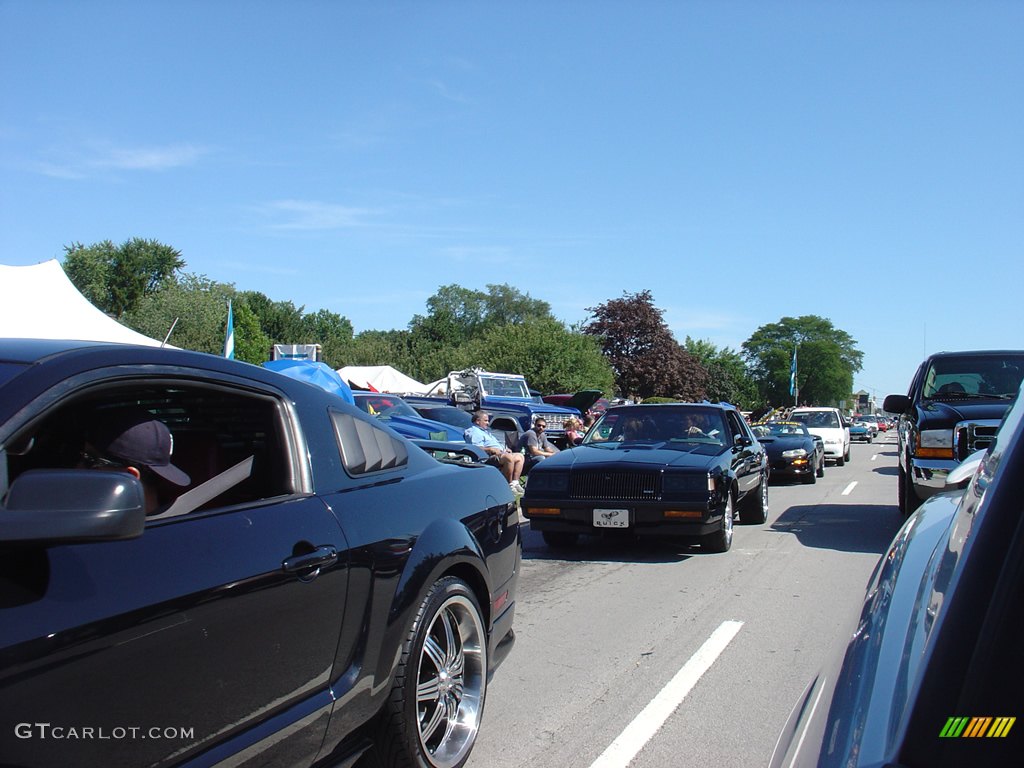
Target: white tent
column 383, row 378
column 40, row 302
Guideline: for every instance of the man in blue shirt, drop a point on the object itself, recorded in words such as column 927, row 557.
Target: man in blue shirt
column 508, row 462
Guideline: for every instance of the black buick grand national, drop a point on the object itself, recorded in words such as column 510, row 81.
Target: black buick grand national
column 673, row 469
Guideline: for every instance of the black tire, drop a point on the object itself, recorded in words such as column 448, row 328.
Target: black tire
column 720, row 540
column 559, row 539
column 870, row 438
column 433, row 715
column 821, row 467
column 847, row 456
column 908, row 501
column 840, row 461
column 754, row 509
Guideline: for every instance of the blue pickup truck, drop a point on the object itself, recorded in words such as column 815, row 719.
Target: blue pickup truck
column 505, row 396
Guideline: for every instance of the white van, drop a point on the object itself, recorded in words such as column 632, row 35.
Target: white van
column 833, row 429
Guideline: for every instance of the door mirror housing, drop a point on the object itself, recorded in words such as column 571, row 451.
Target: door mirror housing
column 62, row 506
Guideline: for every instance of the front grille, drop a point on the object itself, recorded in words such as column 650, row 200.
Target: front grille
column 555, row 421
column 971, row 436
column 615, row 486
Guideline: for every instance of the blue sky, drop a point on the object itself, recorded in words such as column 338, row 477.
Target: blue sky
column 744, row 161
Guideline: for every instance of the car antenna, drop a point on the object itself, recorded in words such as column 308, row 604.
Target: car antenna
column 169, row 332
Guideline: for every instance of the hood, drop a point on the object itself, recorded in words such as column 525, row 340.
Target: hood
column 697, row 456
column 781, row 443
column 424, row 429
column 964, row 410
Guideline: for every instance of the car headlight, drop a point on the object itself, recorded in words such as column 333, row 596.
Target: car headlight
column 680, row 482
column 935, row 443
column 796, row 453
column 548, row 482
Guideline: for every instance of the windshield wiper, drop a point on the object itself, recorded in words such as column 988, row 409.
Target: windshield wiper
column 968, row 396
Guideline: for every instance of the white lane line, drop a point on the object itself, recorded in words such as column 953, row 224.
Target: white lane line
column 850, row 487
column 621, row 752
column 875, row 456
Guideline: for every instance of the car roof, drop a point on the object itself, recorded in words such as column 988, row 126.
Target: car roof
column 976, row 353
column 719, row 406
column 85, row 354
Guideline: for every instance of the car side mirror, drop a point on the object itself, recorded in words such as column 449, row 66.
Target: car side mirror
column 56, row 506
column 966, row 469
column 896, row 403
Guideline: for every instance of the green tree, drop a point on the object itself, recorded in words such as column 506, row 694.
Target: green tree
column 456, row 314
column 281, row 321
column 728, row 379
column 117, row 278
column 827, row 359
column 644, row 355
column 550, row 356
column 196, row 308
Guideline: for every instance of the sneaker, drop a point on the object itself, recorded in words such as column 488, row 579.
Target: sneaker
column 516, row 487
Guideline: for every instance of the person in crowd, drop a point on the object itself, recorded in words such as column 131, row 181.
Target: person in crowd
column 538, row 447
column 509, row 463
column 574, row 430
column 132, row 440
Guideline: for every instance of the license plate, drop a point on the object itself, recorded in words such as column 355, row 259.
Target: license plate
column 611, row 518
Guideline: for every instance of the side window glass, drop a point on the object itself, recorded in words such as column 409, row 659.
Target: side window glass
column 365, row 448
column 195, row 446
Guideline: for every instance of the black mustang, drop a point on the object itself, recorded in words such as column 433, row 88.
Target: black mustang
column 282, row 581
column 792, row 450
column 674, row 469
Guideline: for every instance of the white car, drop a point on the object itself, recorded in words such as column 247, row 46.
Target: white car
column 829, row 424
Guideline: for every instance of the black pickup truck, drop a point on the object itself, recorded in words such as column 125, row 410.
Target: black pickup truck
column 955, row 404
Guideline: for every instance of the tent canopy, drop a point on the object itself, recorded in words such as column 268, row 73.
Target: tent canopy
column 382, row 378
column 40, row 302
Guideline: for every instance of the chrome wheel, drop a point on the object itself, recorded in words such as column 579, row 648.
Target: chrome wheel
column 436, row 704
column 451, row 681
column 721, row 540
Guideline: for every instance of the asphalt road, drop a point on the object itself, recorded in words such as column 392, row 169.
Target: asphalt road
column 656, row 655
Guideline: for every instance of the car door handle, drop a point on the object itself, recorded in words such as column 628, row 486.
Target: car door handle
column 318, row 558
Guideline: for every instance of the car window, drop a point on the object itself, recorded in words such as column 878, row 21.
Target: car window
column 365, row 447
column 223, row 439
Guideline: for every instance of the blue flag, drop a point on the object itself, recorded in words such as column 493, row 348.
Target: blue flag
column 229, row 336
column 792, row 374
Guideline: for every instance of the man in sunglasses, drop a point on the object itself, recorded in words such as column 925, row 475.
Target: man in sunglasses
column 131, row 440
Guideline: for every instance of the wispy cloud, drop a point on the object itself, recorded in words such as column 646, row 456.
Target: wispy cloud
column 150, row 158
column 316, row 215
column 447, row 93
column 83, row 162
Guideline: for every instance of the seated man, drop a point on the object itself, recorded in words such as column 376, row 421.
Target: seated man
column 134, row 441
column 538, row 446
column 508, row 462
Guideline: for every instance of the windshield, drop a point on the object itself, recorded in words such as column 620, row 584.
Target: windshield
column 997, row 376
column 658, row 424
column 385, row 406
column 780, row 429
column 502, row 387
column 819, row 419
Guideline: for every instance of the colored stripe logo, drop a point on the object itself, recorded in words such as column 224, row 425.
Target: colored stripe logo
column 977, row 727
